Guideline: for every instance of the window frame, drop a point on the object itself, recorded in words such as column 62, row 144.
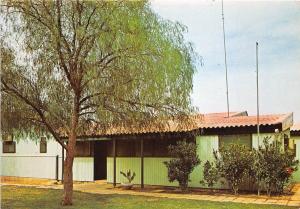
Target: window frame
column 158, row 147
column 236, row 135
column 84, row 144
column 43, row 142
column 4, row 143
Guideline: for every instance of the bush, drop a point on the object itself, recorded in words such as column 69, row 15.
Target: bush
column 273, row 166
column 185, row 159
column 210, row 174
column 233, row 163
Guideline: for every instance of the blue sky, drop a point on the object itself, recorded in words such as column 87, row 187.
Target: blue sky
column 276, row 27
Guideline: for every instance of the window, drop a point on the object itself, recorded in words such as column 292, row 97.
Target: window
column 286, row 141
column 243, row 139
column 152, row 147
column 43, row 145
column 161, row 147
column 9, row 146
column 128, row 148
column 83, row 149
column 148, row 147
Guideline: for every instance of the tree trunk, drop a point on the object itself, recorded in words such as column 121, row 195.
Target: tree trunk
column 68, row 163
column 68, row 178
column 183, row 186
column 68, row 170
column 258, row 187
column 235, row 189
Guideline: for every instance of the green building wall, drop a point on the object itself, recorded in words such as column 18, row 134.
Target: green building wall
column 296, row 175
column 155, row 172
column 273, row 136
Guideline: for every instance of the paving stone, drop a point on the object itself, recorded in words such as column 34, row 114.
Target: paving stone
column 293, row 203
column 282, row 202
column 295, row 197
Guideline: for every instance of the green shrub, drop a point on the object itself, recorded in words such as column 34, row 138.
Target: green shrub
column 233, row 163
column 210, row 174
column 273, row 167
column 185, row 159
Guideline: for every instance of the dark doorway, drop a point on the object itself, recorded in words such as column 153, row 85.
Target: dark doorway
column 100, row 154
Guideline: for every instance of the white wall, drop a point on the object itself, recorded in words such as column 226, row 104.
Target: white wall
column 26, row 166
column 83, row 169
column 27, row 147
column 29, row 162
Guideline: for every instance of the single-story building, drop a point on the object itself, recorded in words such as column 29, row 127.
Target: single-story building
column 102, row 155
column 295, row 138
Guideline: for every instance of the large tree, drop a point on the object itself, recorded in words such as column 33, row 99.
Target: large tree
column 68, row 66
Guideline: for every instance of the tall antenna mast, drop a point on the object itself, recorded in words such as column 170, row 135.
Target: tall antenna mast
column 257, row 93
column 225, row 57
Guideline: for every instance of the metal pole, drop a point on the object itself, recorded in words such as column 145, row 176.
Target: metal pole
column 257, row 94
column 257, row 107
column 225, row 58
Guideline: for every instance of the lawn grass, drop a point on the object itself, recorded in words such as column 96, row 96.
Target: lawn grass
column 34, row 198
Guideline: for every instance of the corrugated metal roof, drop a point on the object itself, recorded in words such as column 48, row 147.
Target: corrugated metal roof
column 184, row 124
column 211, row 120
column 219, row 120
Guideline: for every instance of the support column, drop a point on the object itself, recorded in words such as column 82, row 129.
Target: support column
column 62, row 163
column 56, row 167
column 114, row 155
column 142, row 163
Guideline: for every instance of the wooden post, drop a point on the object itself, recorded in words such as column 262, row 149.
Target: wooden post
column 62, row 164
column 114, row 155
column 56, row 169
column 142, row 163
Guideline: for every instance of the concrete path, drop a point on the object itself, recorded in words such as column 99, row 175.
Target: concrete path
column 101, row 187
column 104, row 188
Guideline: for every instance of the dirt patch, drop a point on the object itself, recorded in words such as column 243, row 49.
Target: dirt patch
column 26, row 181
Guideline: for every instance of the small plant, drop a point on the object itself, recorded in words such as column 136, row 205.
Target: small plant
column 185, row 159
column 210, row 174
column 128, row 176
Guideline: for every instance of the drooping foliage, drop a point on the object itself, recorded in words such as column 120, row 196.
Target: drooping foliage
column 131, row 63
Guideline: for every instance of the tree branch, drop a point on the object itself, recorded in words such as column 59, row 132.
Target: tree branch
column 36, row 109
